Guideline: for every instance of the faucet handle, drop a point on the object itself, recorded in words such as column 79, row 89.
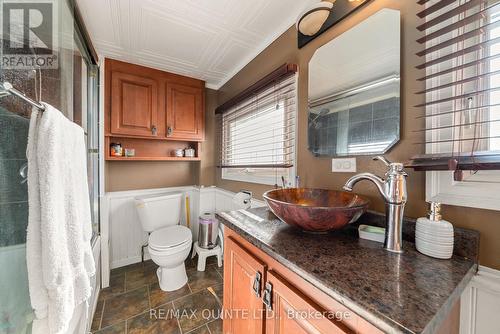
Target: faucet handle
column 394, row 167
column 383, row 159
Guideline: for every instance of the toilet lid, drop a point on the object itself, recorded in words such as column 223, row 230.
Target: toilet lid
column 169, row 237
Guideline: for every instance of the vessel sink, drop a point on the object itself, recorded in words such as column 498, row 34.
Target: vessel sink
column 316, row 210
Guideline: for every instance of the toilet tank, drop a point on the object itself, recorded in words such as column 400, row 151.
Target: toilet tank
column 158, row 210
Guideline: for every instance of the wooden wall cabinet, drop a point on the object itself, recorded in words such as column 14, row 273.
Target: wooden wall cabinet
column 184, row 112
column 134, row 105
column 144, row 104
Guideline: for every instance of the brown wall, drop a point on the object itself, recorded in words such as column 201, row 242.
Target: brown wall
column 207, row 164
column 316, row 172
column 131, row 175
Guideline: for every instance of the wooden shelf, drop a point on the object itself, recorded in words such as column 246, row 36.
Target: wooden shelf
column 150, row 150
column 110, row 158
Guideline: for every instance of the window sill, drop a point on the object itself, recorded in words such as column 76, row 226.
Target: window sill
column 268, row 178
column 249, row 179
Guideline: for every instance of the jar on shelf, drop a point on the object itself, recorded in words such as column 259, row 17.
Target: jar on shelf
column 178, row 152
column 116, row 150
column 189, row 152
column 129, row 152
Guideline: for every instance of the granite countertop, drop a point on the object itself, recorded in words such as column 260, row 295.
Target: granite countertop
column 398, row 293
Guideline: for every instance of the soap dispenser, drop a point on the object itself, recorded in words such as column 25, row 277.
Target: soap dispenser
column 433, row 235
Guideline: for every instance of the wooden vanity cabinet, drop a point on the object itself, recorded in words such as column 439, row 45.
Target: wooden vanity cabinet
column 243, row 290
column 295, row 313
column 295, row 304
column 292, row 299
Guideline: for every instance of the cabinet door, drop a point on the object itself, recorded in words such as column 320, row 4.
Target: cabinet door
column 134, row 105
column 185, row 112
column 294, row 313
column 243, row 308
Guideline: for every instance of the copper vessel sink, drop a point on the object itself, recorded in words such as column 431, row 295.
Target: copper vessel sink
column 316, row 210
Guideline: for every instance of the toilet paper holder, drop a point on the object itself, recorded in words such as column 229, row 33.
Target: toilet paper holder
column 249, row 193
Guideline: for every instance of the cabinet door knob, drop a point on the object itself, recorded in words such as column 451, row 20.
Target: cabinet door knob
column 257, row 284
column 153, row 130
column 169, row 131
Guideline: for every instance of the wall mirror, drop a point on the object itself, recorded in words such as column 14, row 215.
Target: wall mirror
column 354, row 90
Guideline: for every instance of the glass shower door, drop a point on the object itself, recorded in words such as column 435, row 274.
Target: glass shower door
column 15, row 308
column 71, row 88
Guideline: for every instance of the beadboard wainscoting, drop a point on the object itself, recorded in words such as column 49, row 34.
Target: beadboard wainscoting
column 480, row 303
column 122, row 234
column 121, row 231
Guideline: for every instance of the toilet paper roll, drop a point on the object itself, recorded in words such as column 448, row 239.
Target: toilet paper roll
column 242, row 200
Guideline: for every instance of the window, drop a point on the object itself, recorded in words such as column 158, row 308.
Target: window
column 461, row 48
column 258, row 136
column 494, row 81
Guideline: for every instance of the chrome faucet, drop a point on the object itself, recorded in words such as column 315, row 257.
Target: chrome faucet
column 393, row 190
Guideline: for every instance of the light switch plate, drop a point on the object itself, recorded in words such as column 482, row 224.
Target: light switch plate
column 344, row 165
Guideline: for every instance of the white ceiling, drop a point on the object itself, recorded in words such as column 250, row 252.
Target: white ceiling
column 368, row 51
column 205, row 39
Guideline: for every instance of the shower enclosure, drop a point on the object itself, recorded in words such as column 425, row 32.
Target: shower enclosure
column 71, row 87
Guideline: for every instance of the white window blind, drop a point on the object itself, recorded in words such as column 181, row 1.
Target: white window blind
column 258, row 134
column 460, row 63
column 461, row 59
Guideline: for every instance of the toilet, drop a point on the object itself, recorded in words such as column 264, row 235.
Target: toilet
column 169, row 243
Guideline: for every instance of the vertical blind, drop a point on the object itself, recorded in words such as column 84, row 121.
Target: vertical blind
column 461, row 59
column 259, row 132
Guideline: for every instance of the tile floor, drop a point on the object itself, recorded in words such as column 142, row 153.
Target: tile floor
column 135, row 304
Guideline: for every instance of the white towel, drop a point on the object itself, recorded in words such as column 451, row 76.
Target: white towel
column 59, row 254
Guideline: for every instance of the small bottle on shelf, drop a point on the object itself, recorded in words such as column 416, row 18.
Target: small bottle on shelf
column 116, row 150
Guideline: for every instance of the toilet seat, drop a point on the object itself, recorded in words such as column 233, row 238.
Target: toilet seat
column 169, row 238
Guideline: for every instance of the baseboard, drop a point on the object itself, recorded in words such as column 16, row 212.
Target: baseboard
column 128, row 261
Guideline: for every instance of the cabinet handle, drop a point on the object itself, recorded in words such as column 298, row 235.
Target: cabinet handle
column 268, row 296
column 257, row 283
column 169, row 131
column 153, row 130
